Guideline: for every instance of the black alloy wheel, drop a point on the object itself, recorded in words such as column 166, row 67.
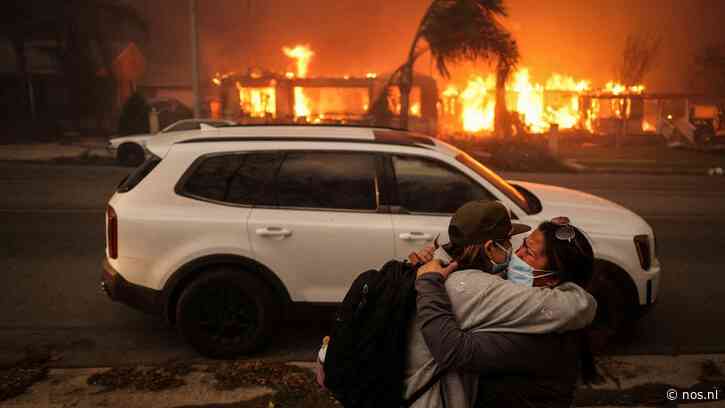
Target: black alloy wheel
column 226, row 313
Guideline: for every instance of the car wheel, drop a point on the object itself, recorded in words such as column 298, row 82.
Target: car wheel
column 226, row 313
column 617, row 306
column 130, row 154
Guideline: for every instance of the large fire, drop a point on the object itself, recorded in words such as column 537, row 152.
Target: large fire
column 537, row 106
column 561, row 100
column 302, row 54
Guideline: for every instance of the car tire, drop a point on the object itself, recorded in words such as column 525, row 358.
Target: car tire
column 617, row 307
column 226, row 312
column 130, row 154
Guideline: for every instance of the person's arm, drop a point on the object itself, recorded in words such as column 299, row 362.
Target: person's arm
column 488, row 303
column 483, row 352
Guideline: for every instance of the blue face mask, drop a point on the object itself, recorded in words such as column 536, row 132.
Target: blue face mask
column 522, row 273
column 500, row 267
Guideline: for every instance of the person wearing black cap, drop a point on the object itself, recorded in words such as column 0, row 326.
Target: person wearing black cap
column 480, row 238
column 475, row 301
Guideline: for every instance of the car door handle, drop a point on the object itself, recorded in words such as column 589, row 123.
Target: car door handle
column 273, row 232
column 416, row 236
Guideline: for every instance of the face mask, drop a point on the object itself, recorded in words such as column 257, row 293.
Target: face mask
column 522, row 273
column 500, row 267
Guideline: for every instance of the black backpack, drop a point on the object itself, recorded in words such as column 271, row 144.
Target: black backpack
column 365, row 361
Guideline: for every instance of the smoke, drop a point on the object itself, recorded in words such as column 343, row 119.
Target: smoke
column 579, row 38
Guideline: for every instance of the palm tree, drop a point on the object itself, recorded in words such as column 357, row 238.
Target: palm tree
column 455, row 31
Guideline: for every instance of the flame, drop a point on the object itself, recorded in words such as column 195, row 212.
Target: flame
column 539, row 106
column 415, row 109
column 648, row 127
column 257, row 102
column 529, row 101
column 477, row 104
column 394, row 101
column 302, row 54
column 615, row 88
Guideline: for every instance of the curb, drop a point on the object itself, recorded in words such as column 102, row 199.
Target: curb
column 581, row 168
column 626, row 381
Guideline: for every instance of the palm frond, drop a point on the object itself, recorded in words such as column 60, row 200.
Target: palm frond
column 458, row 30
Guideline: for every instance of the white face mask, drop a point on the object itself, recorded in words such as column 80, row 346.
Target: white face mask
column 522, row 273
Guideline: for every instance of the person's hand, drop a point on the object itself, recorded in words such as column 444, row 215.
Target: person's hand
column 435, row 266
column 423, row 256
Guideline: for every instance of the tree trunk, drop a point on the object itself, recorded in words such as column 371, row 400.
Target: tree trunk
column 405, row 86
column 502, row 125
column 406, row 77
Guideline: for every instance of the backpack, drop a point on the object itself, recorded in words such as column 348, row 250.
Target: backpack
column 366, row 355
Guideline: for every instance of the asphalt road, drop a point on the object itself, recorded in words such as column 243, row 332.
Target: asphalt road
column 52, row 243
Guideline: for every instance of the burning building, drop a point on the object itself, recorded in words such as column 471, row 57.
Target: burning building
column 261, row 96
column 562, row 101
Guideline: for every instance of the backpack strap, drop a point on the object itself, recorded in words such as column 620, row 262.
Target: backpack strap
column 422, row 390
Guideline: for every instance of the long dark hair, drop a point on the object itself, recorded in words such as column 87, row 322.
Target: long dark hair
column 572, row 260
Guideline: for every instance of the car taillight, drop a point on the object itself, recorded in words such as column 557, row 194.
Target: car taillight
column 112, row 232
column 641, row 242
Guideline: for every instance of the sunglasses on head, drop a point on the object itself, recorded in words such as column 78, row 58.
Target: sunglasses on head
column 566, row 232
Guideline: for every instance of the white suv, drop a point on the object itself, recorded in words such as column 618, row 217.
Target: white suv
column 223, row 229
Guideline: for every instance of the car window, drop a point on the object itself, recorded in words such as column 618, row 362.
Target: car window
column 328, row 180
column 253, row 183
column 430, row 186
column 138, row 175
column 235, row 178
column 211, row 178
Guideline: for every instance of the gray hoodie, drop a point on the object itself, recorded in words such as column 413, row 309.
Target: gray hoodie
column 485, row 302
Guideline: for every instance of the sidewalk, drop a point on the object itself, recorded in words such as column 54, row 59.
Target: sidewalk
column 48, row 152
column 629, row 381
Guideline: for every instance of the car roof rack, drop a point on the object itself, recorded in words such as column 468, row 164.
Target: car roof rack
column 379, row 135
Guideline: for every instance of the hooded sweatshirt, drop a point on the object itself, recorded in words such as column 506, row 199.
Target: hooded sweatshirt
column 486, row 302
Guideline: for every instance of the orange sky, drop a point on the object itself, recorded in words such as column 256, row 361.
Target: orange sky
column 580, row 38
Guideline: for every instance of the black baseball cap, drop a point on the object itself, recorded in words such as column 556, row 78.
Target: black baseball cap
column 480, row 221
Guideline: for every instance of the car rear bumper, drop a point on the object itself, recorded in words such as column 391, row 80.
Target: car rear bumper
column 120, row 290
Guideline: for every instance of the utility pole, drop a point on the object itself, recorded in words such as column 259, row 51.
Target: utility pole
column 194, row 59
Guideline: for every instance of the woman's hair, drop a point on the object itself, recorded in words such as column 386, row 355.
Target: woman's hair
column 469, row 256
column 573, row 259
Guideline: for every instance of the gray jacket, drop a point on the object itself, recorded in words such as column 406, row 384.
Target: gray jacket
column 485, row 302
column 514, row 369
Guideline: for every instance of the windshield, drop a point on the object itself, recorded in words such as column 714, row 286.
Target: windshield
column 502, row 185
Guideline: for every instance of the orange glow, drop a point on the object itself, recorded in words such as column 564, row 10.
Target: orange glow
column 414, row 101
column 257, row 102
column 529, row 101
column 539, row 106
column 648, row 127
column 302, row 54
column 478, row 104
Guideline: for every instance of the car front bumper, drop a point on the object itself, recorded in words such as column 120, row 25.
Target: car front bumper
column 120, row 290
